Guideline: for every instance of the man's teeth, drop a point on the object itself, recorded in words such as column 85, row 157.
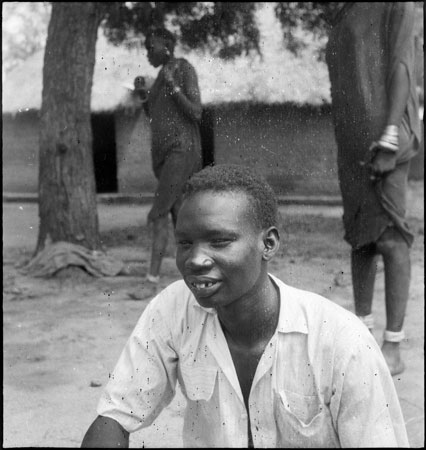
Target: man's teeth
column 204, row 285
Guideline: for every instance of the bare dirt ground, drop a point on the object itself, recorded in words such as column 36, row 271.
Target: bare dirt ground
column 62, row 336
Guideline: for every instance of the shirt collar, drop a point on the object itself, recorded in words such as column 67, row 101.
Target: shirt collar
column 292, row 318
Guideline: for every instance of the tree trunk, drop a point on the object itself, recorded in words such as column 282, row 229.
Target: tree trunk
column 67, row 190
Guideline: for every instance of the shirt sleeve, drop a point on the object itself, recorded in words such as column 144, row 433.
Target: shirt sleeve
column 365, row 406
column 143, row 381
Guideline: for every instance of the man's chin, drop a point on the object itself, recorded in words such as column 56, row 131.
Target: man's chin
column 205, row 303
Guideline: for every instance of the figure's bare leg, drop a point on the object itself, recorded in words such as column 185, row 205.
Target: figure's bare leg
column 364, row 267
column 150, row 285
column 396, row 259
column 160, row 237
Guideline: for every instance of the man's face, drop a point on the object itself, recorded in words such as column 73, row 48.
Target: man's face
column 157, row 51
column 219, row 249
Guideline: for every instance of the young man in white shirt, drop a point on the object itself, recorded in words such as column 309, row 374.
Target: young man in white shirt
column 261, row 364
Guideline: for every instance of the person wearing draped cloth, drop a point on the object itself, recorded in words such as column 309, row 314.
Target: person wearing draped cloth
column 370, row 56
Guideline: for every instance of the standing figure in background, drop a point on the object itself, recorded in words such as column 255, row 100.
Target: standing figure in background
column 174, row 108
column 370, row 56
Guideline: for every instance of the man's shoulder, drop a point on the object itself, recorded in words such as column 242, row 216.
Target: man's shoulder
column 183, row 61
column 308, row 298
column 315, row 307
column 328, row 326
column 184, row 64
column 176, row 291
column 175, row 300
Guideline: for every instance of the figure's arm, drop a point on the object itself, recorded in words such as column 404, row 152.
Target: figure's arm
column 188, row 98
column 142, row 98
column 387, row 146
column 399, row 89
column 145, row 107
column 105, row 433
column 400, row 42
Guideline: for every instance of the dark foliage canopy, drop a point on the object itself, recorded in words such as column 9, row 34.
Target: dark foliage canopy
column 227, row 29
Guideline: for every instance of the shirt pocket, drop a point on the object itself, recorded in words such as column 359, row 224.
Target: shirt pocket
column 302, row 421
column 198, row 381
column 304, row 408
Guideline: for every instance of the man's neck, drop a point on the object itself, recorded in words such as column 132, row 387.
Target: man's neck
column 169, row 60
column 252, row 321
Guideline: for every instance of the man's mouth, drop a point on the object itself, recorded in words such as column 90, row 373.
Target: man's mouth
column 203, row 287
column 203, row 284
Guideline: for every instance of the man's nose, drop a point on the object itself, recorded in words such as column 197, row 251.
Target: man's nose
column 199, row 259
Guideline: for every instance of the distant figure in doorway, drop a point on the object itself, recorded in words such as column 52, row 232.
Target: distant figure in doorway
column 174, row 108
column 370, row 56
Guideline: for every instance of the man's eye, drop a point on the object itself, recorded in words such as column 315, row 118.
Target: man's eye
column 219, row 243
column 184, row 244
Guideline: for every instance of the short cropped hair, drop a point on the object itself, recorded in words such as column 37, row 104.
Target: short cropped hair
column 238, row 178
column 162, row 33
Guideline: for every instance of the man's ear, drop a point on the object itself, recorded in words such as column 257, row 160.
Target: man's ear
column 271, row 242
